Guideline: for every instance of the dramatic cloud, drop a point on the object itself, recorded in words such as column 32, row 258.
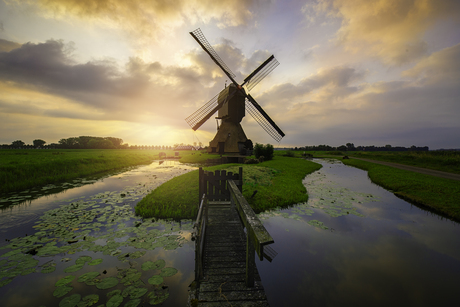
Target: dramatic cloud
column 391, row 30
column 147, row 19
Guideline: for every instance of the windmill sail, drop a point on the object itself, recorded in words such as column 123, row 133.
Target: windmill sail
column 199, row 37
column 262, row 118
column 230, row 135
column 261, row 72
column 200, row 116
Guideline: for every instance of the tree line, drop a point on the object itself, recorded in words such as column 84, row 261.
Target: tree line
column 82, row 142
column 351, row 147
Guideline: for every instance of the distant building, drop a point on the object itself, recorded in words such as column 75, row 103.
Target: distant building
column 187, row 147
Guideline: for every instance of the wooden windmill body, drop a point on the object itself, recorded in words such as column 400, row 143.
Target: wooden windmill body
column 231, row 104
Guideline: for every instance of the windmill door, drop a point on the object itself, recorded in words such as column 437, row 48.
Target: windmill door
column 221, row 150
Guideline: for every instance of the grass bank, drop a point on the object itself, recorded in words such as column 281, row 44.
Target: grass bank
column 278, row 183
column 438, row 194
column 446, row 161
column 22, row 169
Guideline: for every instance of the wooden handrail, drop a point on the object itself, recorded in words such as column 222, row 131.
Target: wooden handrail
column 255, row 229
column 198, row 236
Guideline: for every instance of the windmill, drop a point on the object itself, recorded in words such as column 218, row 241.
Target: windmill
column 231, row 103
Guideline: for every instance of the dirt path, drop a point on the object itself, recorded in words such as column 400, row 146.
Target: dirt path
column 420, row 170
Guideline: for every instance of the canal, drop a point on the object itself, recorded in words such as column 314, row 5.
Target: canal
column 352, row 244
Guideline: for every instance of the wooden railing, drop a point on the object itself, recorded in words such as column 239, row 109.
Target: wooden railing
column 220, row 188
column 198, row 235
column 257, row 237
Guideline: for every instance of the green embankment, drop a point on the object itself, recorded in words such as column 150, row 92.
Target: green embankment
column 26, row 168
column 446, row 161
column 441, row 195
column 278, row 183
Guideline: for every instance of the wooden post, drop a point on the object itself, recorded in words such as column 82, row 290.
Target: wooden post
column 250, row 261
column 240, row 186
column 200, row 185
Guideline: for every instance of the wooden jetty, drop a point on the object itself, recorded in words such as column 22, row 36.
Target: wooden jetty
column 227, row 235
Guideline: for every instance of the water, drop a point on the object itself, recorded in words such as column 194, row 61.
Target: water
column 352, row 244
column 96, row 220
column 383, row 252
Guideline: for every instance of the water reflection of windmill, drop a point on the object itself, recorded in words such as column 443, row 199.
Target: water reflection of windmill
column 231, row 103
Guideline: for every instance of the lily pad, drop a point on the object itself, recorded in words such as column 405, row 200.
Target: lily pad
column 317, row 224
column 88, row 300
column 157, row 265
column 73, row 268
column 134, row 292
column 62, row 290
column 64, row 281
column 131, row 277
column 159, row 295
column 133, row 303
column 107, row 283
column 82, row 260
column 115, row 301
column 88, row 277
column 155, row 280
column 114, row 292
column 95, row 261
column 70, row 301
column 167, row 272
column 48, row 268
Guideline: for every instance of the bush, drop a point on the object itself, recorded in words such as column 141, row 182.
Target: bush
column 263, row 151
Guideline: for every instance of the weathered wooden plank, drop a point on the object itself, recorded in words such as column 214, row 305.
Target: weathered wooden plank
column 233, row 296
column 235, row 304
column 226, row 264
column 226, row 271
column 229, row 286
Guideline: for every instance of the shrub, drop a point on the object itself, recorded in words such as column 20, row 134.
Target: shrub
column 263, row 151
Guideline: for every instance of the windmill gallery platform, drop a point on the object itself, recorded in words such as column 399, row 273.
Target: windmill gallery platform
column 227, row 235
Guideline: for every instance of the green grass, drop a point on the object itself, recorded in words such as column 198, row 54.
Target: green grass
column 24, row 169
column 278, row 182
column 441, row 195
column 27, row 168
column 446, row 161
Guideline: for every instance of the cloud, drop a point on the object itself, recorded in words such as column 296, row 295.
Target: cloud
column 6, row 46
column 391, row 30
column 150, row 19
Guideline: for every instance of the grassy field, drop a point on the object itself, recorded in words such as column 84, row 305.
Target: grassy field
column 26, row 168
column 446, row 161
column 278, row 183
column 441, row 195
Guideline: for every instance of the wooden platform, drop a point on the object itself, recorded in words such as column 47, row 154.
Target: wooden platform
column 224, row 263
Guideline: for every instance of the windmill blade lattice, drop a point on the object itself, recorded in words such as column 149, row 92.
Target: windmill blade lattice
column 203, row 42
column 197, row 118
column 262, row 118
column 261, row 72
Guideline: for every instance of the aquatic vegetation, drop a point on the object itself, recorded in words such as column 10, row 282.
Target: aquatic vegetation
column 325, row 196
column 318, row 224
column 103, row 223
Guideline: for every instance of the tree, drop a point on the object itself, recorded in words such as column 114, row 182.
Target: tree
column 342, row 148
column 39, row 143
column 17, row 144
column 265, row 151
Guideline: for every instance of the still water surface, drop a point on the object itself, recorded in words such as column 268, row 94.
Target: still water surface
column 352, row 244
column 384, row 252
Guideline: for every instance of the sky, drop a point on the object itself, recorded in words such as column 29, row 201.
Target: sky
column 367, row 72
